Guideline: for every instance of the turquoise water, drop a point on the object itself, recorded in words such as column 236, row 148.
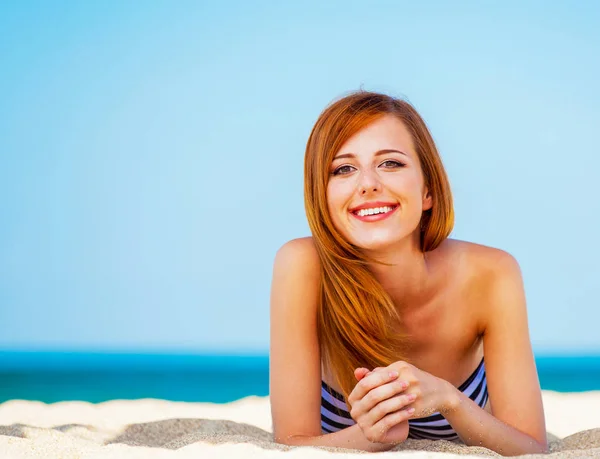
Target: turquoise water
column 96, row 377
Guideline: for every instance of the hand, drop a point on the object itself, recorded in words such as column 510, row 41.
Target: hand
column 379, row 407
column 433, row 394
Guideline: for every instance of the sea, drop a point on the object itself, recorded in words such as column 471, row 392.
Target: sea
column 99, row 376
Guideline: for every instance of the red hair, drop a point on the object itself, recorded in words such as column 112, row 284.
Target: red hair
column 357, row 320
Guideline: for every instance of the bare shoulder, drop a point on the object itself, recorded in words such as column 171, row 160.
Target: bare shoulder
column 485, row 275
column 480, row 263
column 296, row 274
column 301, row 249
column 298, row 256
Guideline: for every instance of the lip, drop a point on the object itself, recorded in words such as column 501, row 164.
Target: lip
column 377, row 217
column 368, row 205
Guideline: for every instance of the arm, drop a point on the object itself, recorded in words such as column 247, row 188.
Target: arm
column 295, row 363
column 350, row 437
column 517, row 425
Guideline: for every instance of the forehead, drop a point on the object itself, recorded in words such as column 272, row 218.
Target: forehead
column 386, row 132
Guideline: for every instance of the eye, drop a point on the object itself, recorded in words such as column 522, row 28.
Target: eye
column 343, row 170
column 392, row 164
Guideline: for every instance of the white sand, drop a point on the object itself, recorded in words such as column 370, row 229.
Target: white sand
column 161, row 429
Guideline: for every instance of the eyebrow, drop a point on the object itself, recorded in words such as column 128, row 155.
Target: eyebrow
column 377, row 153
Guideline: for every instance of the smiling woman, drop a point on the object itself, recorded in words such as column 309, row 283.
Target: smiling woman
column 379, row 321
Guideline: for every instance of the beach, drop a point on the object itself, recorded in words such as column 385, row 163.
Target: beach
column 150, row 428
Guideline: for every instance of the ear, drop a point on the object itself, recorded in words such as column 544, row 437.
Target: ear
column 427, row 199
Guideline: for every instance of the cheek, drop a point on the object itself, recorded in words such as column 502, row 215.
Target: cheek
column 409, row 186
column 331, row 202
column 337, row 196
column 338, row 199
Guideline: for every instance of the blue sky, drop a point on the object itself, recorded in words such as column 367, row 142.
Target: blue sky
column 151, row 155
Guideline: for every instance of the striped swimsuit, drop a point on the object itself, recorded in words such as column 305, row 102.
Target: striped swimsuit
column 335, row 415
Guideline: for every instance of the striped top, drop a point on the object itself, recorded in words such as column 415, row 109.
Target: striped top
column 335, row 414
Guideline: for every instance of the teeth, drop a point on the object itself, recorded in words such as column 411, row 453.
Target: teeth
column 374, row 211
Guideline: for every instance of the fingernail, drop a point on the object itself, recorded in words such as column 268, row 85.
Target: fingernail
column 411, row 411
column 393, row 374
column 412, row 396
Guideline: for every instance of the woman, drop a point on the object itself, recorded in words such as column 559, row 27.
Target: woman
column 379, row 321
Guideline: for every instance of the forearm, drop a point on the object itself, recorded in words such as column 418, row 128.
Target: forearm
column 350, row 437
column 477, row 427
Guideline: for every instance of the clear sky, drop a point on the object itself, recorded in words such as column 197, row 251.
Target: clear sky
column 151, row 155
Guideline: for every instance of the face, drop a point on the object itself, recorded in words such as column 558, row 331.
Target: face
column 376, row 193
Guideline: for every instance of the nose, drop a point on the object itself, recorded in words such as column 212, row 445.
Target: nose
column 368, row 183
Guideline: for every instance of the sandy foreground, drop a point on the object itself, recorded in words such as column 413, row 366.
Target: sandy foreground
column 242, row 429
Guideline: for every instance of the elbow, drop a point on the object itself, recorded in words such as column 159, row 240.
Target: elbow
column 293, row 435
column 282, row 440
column 543, row 447
column 539, row 448
column 536, row 447
column 289, row 440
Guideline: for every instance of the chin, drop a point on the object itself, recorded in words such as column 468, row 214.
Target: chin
column 375, row 242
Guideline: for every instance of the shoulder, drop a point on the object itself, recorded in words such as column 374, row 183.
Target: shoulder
column 480, row 263
column 490, row 279
column 299, row 254
column 296, row 274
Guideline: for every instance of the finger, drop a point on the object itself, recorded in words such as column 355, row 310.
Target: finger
column 378, row 394
column 369, row 382
column 392, row 419
column 376, row 369
column 361, row 398
column 386, row 391
column 360, row 373
column 387, row 406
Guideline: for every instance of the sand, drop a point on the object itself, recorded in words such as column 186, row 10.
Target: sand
column 242, row 429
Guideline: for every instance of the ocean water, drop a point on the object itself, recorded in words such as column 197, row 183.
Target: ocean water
column 96, row 377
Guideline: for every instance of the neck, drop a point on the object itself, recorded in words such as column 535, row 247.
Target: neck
column 406, row 276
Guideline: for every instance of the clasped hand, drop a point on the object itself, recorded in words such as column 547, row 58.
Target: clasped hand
column 384, row 399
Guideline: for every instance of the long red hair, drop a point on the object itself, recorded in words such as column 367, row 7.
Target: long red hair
column 357, row 321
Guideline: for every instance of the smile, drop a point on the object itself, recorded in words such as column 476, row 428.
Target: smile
column 374, row 213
